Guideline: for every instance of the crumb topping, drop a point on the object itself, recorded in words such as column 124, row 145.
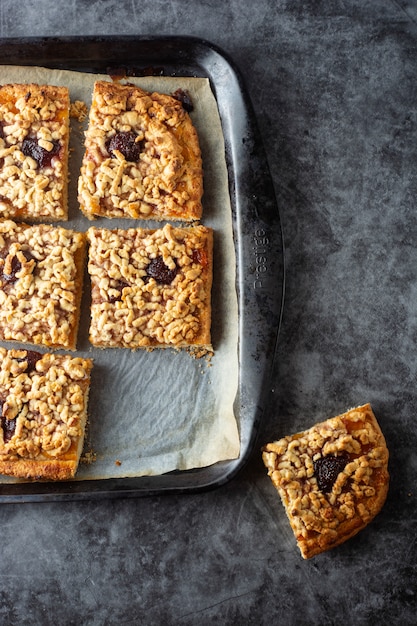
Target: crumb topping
column 161, row 179
column 78, row 110
column 34, row 135
column 42, row 403
column 150, row 288
column 40, row 283
column 355, row 444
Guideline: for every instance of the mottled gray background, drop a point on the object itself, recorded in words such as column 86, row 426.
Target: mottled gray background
column 334, row 89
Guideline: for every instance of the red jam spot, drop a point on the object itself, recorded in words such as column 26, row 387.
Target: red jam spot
column 161, row 272
column 327, row 469
column 125, row 142
column 119, row 288
column 8, row 426
column 16, row 266
column 31, row 358
column 200, row 257
column 184, row 97
column 43, row 158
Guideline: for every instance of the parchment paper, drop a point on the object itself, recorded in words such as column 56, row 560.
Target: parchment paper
column 154, row 412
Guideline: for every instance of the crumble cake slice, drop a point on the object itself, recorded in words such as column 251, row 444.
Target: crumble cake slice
column 43, row 413
column 332, row 479
column 41, row 275
column 34, row 138
column 151, row 288
column 142, row 157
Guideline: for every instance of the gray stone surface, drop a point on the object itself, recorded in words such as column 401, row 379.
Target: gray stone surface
column 334, row 89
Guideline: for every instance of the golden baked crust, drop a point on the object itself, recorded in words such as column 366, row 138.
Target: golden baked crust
column 43, row 413
column 151, row 288
column 34, row 136
column 41, row 274
column 142, row 157
column 333, row 478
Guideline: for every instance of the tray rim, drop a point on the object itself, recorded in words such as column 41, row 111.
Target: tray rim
column 186, row 47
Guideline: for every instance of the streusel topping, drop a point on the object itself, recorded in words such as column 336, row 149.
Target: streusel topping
column 40, row 283
column 41, row 399
column 150, row 288
column 34, row 135
column 329, row 474
column 142, row 157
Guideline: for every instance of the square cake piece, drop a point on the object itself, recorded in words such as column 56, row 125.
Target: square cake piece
column 142, row 157
column 43, row 413
column 333, row 478
column 151, row 288
column 34, row 137
column 41, row 276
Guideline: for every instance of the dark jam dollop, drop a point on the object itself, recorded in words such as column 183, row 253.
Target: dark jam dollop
column 8, row 426
column 31, row 358
column 161, row 272
column 327, row 469
column 43, row 158
column 184, row 97
column 16, row 266
column 119, row 289
column 125, row 142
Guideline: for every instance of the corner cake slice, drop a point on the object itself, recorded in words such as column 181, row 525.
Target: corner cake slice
column 43, row 413
column 142, row 157
column 333, row 478
column 34, row 137
column 41, row 274
column 151, row 288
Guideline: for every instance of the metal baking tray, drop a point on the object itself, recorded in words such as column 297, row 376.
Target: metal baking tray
column 256, row 227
